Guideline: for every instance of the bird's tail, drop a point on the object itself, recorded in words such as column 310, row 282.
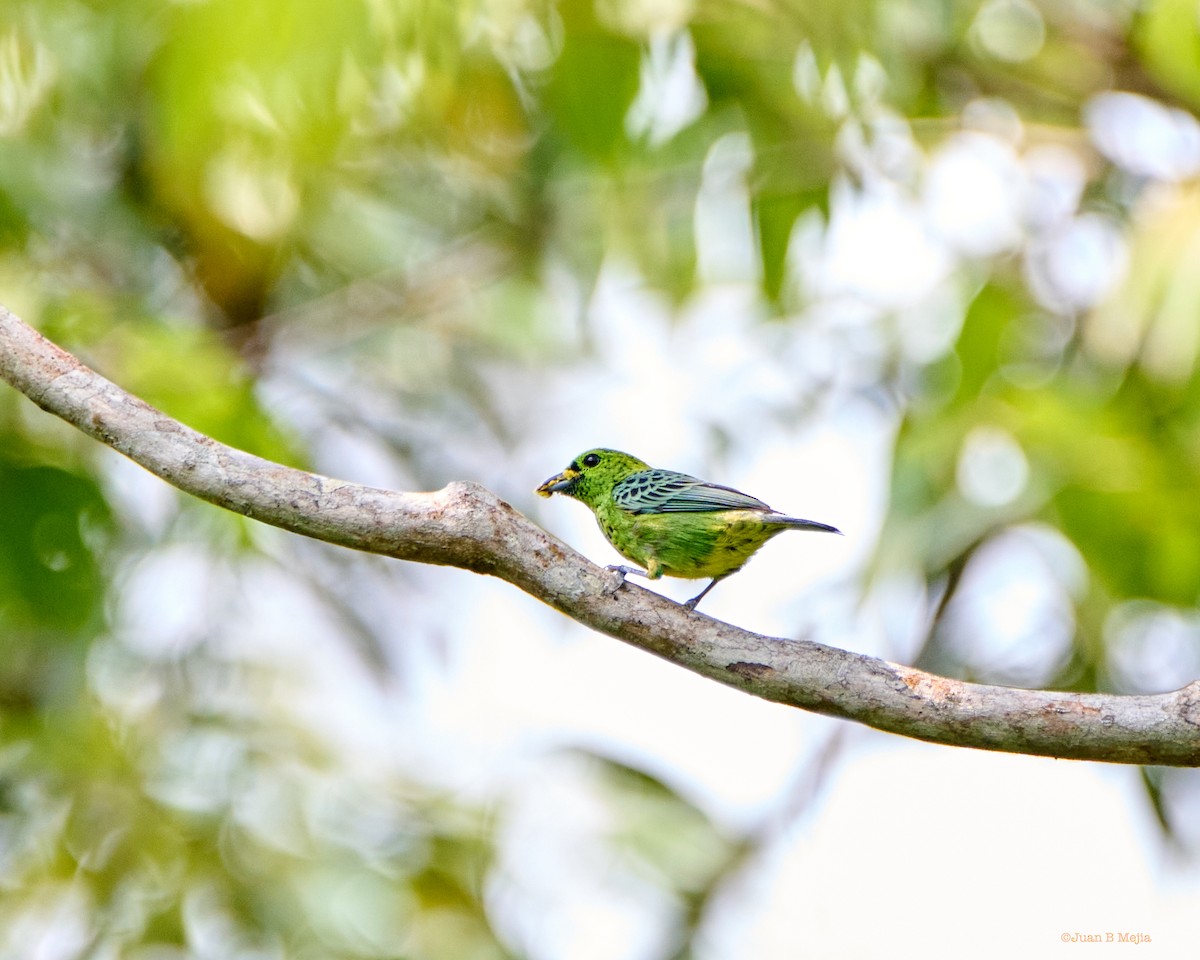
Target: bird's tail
column 795, row 523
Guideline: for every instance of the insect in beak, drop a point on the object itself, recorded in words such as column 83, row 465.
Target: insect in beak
column 562, row 483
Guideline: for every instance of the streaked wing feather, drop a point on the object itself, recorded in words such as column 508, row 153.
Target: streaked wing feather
column 665, row 491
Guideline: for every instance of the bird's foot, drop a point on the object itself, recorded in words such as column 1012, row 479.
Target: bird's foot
column 691, row 604
column 620, row 572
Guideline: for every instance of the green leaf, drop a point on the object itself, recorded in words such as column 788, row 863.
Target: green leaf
column 1168, row 38
column 592, row 84
column 774, row 216
column 978, row 346
column 51, row 526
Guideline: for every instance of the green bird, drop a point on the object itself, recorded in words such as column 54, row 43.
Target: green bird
column 670, row 523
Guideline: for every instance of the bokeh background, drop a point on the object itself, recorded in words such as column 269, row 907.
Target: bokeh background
column 928, row 272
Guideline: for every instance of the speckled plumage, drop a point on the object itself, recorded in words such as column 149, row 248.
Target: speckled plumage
column 671, row 523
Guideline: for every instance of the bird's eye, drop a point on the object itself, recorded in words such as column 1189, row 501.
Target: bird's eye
column 591, row 460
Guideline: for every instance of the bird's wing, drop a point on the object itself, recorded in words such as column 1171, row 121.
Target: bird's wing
column 665, row 491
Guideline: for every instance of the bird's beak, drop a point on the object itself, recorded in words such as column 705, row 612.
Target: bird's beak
column 562, row 483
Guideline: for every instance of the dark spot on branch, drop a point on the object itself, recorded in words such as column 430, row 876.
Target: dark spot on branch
column 750, row 671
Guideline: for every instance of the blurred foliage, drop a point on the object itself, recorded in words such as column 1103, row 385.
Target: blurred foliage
column 195, row 196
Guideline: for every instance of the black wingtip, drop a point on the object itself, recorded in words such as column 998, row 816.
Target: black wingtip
column 813, row 525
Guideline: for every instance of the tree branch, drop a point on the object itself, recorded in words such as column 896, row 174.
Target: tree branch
column 464, row 525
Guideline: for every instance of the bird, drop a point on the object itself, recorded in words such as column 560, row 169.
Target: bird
column 670, row 523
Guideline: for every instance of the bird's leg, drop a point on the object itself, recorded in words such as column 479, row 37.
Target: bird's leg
column 625, row 571
column 691, row 604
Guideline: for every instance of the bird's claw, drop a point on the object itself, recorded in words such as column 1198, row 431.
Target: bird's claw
column 616, row 580
column 621, row 572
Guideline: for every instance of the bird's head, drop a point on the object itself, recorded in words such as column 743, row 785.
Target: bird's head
column 591, row 476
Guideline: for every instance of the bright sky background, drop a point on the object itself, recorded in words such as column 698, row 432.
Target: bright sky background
column 905, row 849
column 877, row 846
